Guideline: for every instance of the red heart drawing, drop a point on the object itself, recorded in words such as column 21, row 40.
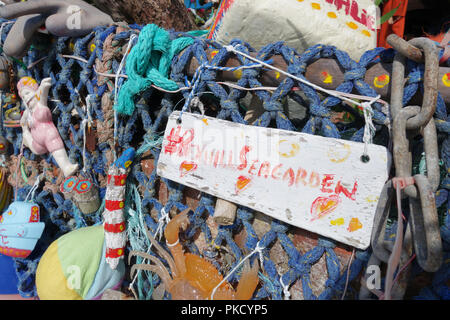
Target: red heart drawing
column 242, row 183
column 323, row 206
column 186, row 167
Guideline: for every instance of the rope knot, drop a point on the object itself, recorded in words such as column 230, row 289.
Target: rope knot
column 414, row 77
column 272, row 106
column 319, row 110
column 330, row 283
column 208, row 75
column 278, row 227
column 355, row 74
column 250, row 73
column 326, row 243
column 228, row 104
column 297, row 69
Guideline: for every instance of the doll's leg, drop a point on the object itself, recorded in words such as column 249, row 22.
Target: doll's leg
column 64, row 163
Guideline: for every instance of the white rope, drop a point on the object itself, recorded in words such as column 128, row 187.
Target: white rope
column 171, row 245
column 336, row 94
column 258, row 249
column 86, row 122
column 287, row 294
column 164, row 219
column 235, row 86
column 34, row 188
column 369, row 128
column 116, row 88
column 32, row 65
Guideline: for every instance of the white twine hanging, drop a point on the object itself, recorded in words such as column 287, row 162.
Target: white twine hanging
column 86, row 122
column 258, row 249
column 286, row 293
column 34, row 188
column 369, row 128
column 116, row 87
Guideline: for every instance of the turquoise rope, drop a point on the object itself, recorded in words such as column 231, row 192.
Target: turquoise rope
column 148, row 63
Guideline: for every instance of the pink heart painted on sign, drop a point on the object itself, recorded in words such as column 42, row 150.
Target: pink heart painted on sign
column 323, row 206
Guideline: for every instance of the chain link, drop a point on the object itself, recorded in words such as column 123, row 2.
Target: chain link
column 422, row 230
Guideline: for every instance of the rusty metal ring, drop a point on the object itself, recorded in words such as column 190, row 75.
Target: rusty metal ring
column 425, row 226
column 412, row 50
column 430, row 83
column 401, row 150
column 379, row 226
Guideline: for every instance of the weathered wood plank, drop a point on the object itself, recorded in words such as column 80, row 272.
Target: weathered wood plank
column 315, row 183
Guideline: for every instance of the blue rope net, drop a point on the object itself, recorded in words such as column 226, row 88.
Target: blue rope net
column 75, row 66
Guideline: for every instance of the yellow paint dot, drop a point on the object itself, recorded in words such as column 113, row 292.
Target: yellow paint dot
column 9, row 212
column 366, row 33
column 332, row 15
column 121, row 228
column 300, row 0
column 338, row 222
column 238, row 74
column 381, row 81
column 352, row 25
column 121, row 204
column 127, row 164
column 119, row 252
column 339, row 155
column 328, row 78
column 315, row 5
column 122, row 182
column 92, row 47
column 205, row 121
column 294, row 149
column 277, row 75
column 446, row 79
column 354, row 225
column 372, row 199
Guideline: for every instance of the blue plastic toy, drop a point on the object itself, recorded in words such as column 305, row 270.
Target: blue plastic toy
column 20, row 229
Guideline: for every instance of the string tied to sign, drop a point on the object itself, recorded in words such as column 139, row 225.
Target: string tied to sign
column 369, row 128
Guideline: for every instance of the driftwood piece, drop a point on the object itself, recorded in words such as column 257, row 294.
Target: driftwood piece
column 168, row 14
column 225, row 212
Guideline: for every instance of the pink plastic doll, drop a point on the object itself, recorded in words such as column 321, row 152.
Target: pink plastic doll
column 39, row 133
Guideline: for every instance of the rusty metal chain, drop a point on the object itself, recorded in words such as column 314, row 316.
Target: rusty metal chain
column 422, row 230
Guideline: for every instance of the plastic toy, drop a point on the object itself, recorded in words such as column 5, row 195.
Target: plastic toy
column 193, row 277
column 83, row 192
column 5, row 189
column 74, row 267
column 39, row 133
column 114, row 221
column 20, row 229
column 64, row 18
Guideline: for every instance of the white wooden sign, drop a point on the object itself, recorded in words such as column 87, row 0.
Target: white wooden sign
column 315, row 183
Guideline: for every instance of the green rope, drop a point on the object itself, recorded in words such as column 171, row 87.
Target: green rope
column 148, row 63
